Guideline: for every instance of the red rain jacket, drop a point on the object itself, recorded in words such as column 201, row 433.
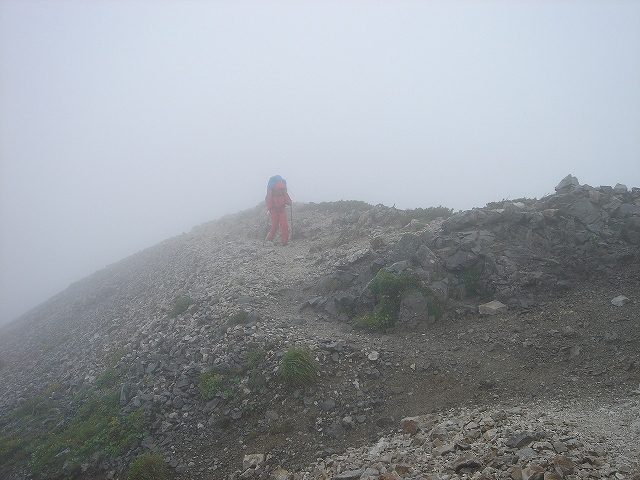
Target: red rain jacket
column 277, row 197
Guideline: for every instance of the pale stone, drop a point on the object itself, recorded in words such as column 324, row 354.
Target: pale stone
column 492, row 308
column 620, row 300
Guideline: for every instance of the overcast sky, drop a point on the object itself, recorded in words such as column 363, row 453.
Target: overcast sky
column 124, row 123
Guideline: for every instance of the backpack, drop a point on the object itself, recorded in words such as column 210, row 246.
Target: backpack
column 272, row 183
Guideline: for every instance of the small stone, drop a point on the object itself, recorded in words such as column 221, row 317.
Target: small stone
column 409, row 426
column 328, row 405
column 526, row 454
column 564, row 464
column 620, row 300
column 466, row 460
column 492, row 308
column 560, row 447
column 252, row 460
column 520, row 440
column 444, row 449
column 390, row 476
column 335, row 430
column 279, row 474
column 403, row 469
column 552, row 476
column 531, row 473
column 349, row 475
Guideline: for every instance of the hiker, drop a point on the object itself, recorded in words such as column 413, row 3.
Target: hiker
column 277, row 200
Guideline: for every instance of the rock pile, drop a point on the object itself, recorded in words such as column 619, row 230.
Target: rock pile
column 512, row 443
column 518, row 252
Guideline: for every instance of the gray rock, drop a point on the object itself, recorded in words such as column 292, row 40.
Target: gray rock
column 328, row 405
column 427, row 259
column 494, row 307
column 335, row 430
column 406, row 247
column 349, row 475
column 445, row 449
column 413, row 307
column 620, row 300
column 620, row 188
column 466, row 460
column 567, row 184
column 245, row 300
column 585, row 211
column 520, row 440
column 461, row 261
column 399, row 267
column 253, row 460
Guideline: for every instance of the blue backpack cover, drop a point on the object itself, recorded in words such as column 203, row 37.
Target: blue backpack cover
column 272, row 182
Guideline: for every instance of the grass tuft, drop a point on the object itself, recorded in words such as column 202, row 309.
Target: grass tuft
column 148, row 466
column 298, row 368
column 181, row 306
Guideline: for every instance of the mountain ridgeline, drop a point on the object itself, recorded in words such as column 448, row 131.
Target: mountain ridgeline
column 216, row 355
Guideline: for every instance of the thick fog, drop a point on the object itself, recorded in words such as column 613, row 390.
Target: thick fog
column 126, row 123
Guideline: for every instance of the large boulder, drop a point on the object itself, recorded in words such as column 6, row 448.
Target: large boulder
column 413, row 309
column 567, row 184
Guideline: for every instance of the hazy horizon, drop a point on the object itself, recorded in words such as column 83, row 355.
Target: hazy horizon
column 123, row 124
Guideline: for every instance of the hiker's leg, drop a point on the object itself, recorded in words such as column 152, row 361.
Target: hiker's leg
column 275, row 220
column 284, row 226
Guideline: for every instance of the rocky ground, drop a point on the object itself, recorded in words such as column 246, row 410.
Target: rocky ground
column 547, row 387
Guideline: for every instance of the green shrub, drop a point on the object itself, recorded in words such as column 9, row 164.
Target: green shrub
column 13, row 449
column 44, row 435
column 429, row 214
column 471, row 280
column 297, row 367
column 148, row 466
column 238, row 318
column 108, row 379
column 253, row 356
column 181, row 306
column 372, row 322
column 98, row 427
column 210, row 384
column 255, row 381
column 388, row 288
column 434, row 308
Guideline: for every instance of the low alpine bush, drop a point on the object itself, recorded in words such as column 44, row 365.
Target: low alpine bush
column 210, row 384
column 148, row 466
column 429, row 214
column 388, row 288
column 238, row 318
column 108, row 379
column 181, row 306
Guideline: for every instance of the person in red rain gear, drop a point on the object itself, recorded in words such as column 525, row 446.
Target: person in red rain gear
column 277, row 200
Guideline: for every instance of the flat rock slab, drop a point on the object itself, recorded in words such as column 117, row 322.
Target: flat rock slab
column 492, row 308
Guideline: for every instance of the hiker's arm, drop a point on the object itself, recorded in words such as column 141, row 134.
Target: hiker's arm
column 269, row 200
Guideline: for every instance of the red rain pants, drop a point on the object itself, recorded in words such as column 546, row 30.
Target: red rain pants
column 279, row 219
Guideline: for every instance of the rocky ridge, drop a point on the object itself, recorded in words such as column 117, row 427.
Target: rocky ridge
column 554, row 264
